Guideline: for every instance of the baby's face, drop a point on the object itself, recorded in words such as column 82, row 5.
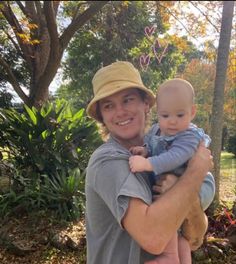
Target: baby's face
column 175, row 112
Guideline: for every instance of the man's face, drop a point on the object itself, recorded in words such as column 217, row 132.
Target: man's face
column 124, row 115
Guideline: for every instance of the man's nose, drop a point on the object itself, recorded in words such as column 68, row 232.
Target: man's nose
column 120, row 109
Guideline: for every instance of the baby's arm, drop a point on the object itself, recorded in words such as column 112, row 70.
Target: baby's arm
column 181, row 150
column 139, row 163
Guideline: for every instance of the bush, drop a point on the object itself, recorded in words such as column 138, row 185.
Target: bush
column 49, row 149
column 231, row 146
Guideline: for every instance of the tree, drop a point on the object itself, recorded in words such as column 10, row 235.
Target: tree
column 31, row 28
column 5, row 99
column 218, row 98
column 201, row 75
column 119, row 34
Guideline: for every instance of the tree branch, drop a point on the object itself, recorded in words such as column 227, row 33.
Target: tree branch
column 13, row 81
column 79, row 21
column 55, row 6
column 22, row 8
column 28, row 10
column 206, row 17
column 14, row 43
column 51, row 22
column 176, row 18
column 76, row 11
column 14, row 23
column 38, row 9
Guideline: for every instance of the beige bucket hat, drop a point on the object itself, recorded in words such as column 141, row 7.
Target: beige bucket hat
column 114, row 78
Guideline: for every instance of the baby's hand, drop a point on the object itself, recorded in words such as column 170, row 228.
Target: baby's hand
column 139, row 164
column 138, row 150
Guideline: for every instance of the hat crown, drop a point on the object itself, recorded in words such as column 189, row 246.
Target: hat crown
column 119, row 71
column 114, row 78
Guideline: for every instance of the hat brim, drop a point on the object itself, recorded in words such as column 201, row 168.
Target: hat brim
column 112, row 88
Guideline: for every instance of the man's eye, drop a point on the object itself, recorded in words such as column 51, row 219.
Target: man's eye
column 129, row 99
column 107, row 106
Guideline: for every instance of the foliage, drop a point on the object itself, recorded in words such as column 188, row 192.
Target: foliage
column 34, row 36
column 201, row 74
column 48, row 148
column 118, row 34
column 231, row 146
column 223, row 218
column 5, row 99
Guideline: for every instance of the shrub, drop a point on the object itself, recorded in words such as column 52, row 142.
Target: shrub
column 47, row 147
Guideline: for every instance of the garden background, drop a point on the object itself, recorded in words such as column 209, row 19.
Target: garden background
column 50, row 51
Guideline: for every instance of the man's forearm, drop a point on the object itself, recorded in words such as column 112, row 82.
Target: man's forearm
column 159, row 220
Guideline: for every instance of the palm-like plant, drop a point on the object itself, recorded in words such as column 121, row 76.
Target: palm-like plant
column 46, row 147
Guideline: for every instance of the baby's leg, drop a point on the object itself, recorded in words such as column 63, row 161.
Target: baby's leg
column 184, row 251
column 169, row 255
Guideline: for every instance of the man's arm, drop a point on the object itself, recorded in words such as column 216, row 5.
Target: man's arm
column 153, row 225
column 195, row 218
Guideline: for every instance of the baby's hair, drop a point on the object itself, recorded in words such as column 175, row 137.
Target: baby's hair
column 177, row 83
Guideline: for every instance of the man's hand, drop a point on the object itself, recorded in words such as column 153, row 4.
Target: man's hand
column 202, row 161
column 163, row 184
column 194, row 226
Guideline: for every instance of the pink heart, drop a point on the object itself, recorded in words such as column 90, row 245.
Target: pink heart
column 149, row 31
column 144, row 61
column 157, row 46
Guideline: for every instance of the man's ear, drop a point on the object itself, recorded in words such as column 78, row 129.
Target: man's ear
column 193, row 111
column 147, row 106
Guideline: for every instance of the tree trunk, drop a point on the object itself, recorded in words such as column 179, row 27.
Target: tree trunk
column 218, row 98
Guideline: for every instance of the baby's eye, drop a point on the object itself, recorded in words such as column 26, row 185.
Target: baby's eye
column 165, row 116
column 180, row 115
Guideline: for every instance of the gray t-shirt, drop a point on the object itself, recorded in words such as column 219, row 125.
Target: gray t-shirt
column 109, row 186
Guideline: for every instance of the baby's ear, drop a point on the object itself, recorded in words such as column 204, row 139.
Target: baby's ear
column 193, row 111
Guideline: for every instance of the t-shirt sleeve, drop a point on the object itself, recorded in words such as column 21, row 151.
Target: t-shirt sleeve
column 115, row 184
column 181, row 150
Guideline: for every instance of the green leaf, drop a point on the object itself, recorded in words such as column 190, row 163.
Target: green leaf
column 78, row 115
column 31, row 114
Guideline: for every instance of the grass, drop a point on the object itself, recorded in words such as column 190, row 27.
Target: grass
column 228, row 164
column 228, row 177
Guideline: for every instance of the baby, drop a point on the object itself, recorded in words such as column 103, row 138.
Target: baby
column 169, row 145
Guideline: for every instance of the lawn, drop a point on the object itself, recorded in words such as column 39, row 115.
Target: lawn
column 228, row 164
column 228, row 177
